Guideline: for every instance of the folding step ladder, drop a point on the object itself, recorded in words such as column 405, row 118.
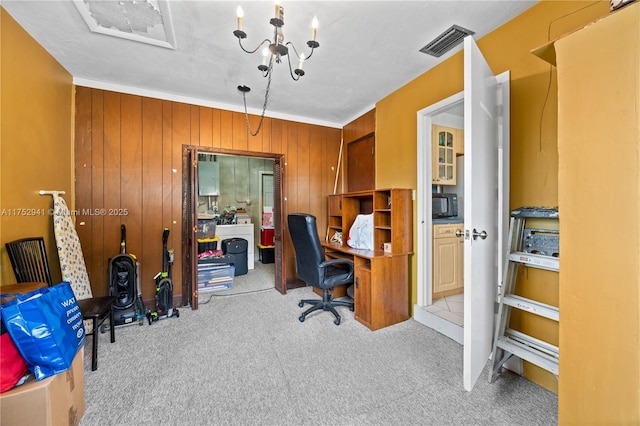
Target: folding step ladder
column 534, row 248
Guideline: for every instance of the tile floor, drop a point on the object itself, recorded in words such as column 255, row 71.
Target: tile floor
column 450, row 308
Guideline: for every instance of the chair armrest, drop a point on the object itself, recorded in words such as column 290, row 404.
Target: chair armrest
column 330, row 262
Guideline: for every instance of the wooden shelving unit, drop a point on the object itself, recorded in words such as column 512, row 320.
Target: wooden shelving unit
column 381, row 278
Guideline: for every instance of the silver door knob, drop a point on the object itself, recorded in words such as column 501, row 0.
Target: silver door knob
column 477, row 234
column 459, row 233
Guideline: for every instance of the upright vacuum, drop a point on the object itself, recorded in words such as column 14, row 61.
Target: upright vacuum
column 124, row 284
column 164, row 286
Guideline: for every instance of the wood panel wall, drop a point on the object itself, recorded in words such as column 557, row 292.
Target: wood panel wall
column 128, row 158
column 361, row 126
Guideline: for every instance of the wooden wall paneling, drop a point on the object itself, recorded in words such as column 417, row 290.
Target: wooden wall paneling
column 361, row 126
column 82, row 171
column 240, row 132
column 181, row 136
column 266, row 137
column 206, row 126
column 112, row 172
column 152, row 131
column 216, row 129
column 195, row 126
column 99, row 263
column 276, row 136
column 226, row 129
column 167, row 153
column 304, row 168
column 254, row 143
column 369, row 122
column 316, row 176
column 131, row 174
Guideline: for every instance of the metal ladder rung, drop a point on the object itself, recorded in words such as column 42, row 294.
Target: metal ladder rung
column 538, row 308
column 531, row 350
column 536, row 260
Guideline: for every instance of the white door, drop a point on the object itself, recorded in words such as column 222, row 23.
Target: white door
column 483, row 144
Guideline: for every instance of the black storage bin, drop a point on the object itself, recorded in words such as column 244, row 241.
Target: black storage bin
column 267, row 255
column 237, row 247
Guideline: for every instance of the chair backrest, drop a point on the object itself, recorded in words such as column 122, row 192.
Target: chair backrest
column 309, row 253
column 28, row 258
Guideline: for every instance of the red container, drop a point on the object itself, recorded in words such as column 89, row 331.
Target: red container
column 266, row 236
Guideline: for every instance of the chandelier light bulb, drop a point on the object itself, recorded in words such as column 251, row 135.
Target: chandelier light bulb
column 265, row 55
column 240, row 14
column 278, row 10
column 314, row 27
column 302, row 58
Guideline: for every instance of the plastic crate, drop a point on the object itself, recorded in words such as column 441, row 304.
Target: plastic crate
column 206, row 228
column 214, row 277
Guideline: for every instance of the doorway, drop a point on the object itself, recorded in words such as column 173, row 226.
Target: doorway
column 441, row 315
column 245, row 196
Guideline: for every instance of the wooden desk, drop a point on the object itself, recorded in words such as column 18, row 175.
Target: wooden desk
column 20, row 288
column 381, row 284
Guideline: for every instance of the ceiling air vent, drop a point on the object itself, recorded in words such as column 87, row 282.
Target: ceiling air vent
column 446, row 41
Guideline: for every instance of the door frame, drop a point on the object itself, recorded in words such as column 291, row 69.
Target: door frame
column 425, row 228
column 189, row 180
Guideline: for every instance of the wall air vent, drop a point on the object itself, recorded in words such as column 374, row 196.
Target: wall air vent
column 446, row 41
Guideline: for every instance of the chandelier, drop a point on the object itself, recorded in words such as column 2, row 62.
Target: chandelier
column 273, row 52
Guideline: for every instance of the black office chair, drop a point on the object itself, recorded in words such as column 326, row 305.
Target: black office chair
column 29, row 261
column 313, row 269
column 28, row 258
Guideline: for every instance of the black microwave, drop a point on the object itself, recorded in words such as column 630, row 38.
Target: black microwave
column 444, row 204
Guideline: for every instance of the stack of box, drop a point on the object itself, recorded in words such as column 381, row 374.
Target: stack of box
column 266, row 245
column 56, row 400
column 206, row 235
column 214, row 277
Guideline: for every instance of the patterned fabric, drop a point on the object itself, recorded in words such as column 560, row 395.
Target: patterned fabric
column 69, row 251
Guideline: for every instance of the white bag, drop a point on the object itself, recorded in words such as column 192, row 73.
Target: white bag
column 361, row 232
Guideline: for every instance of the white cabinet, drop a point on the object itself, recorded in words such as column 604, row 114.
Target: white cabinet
column 444, row 150
column 238, row 231
column 448, row 258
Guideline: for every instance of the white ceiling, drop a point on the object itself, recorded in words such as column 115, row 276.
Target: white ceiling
column 368, row 49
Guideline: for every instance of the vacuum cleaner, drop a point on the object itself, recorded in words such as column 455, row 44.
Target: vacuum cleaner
column 164, row 286
column 124, row 284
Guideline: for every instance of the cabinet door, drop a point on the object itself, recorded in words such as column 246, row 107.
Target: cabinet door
column 443, row 155
column 361, row 164
column 445, row 270
column 362, row 295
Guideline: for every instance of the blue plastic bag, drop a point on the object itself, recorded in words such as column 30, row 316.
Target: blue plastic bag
column 47, row 328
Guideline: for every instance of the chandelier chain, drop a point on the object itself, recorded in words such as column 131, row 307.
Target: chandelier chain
column 264, row 105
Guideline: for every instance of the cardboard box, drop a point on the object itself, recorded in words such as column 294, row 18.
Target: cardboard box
column 267, row 216
column 56, row 400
